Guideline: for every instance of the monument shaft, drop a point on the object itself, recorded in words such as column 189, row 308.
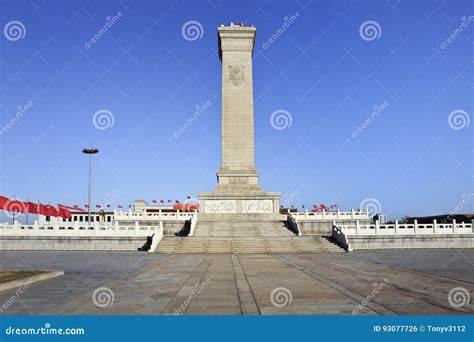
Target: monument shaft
column 236, row 47
column 237, row 190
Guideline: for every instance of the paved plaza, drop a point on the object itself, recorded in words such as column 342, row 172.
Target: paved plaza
column 398, row 282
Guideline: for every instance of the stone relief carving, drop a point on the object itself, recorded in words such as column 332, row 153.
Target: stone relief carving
column 236, row 74
column 257, row 206
column 237, row 44
column 220, row 206
column 238, row 180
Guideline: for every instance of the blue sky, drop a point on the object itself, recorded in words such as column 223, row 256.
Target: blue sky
column 323, row 72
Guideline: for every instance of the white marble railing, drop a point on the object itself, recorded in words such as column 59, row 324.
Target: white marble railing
column 79, row 229
column 158, row 216
column 332, row 215
column 405, row 228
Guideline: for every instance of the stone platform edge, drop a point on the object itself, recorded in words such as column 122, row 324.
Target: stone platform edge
column 8, row 285
column 71, row 243
column 372, row 242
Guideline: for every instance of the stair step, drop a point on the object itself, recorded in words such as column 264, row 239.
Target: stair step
column 244, row 245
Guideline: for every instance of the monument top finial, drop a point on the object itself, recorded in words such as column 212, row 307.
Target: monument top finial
column 236, row 38
column 239, row 26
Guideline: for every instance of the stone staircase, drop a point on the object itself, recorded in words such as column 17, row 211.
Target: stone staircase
column 254, row 235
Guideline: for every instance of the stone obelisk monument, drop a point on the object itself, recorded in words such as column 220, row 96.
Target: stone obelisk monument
column 238, row 190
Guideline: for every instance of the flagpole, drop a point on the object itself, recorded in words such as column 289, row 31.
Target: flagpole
column 13, row 219
column 90, row 152
column 27, row 209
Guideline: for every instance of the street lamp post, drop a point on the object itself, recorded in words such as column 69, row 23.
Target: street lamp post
column 90, row 152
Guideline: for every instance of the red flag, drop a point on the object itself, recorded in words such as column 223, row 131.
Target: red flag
column 281, row 206
column 63, row 212
column 3, row 201
column 32, row 208
column 161, row 201
column 98, row 206
column 302, row 206
column 188, row 197
column 119, row 206
column 43, row 210
column 169, row 201
column 86, row 206
column 154, row 201
column 177, row 201
column 51, row 211
column 292, row 206
column 15, row 206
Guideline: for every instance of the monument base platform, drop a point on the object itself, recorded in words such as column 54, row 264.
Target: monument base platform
column 259, row 202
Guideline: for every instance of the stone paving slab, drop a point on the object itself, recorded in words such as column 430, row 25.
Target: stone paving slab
column 403, row 282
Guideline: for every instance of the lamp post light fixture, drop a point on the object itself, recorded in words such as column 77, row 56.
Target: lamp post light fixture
column 90, row 152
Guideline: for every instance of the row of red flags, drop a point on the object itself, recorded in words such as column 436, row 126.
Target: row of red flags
column 17, row 206
column 168, row 201
column 316, row 207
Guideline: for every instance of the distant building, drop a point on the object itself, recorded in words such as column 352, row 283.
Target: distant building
column 80, row 216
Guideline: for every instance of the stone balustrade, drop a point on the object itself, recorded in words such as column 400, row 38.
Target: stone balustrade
column 80, row 229
column 405, row 228
column 332, row 215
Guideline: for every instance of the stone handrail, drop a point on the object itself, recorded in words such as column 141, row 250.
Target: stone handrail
column 406, row 228
column 341, row 238
column 78, row 229
column 332, row 215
